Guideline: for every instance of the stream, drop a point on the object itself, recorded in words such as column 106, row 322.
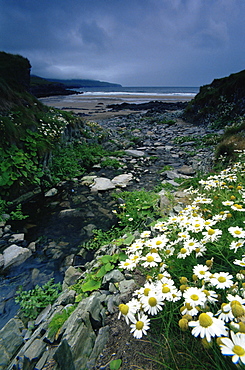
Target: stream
column 59, row 225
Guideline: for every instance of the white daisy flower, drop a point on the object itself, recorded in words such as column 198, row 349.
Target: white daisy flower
column 211, row 295
column 194, row 296
column 146, row 290
column 225, row 313
column 201, row 271
column 140, row 326
column 236, row 244
column 236, row 231
column 208, row 326
column 151, row 260
column 128, row 264
column 222, row 280
column 187, row 309
column 212, row 235
column 240, row 262
column 228, row 203
column 145, row 234
column 128, row 310
column 183, row 253
column 238, row 207
column 152, row 303
column 234, row 347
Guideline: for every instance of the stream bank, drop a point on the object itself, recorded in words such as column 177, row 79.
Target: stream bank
column 63, row 221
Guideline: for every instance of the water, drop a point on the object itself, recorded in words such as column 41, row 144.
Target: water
column 142, row 93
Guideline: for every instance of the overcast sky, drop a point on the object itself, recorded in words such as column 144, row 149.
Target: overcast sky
column 130, row 42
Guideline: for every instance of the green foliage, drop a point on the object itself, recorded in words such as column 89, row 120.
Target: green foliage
column 93, row 280
column 138, row 206
column 115, row 364
column 58, row 320
column 33, row 301
column 110, row 162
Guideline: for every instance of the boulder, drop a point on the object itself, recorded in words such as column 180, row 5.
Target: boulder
column 135, row 153
column 10, row 341
column 14, row 255
column 122, row 180
column 102, row 184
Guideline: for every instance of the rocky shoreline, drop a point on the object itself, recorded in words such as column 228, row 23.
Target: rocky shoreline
column 151, row 141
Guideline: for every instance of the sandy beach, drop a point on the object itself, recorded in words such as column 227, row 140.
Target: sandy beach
column 95, row 106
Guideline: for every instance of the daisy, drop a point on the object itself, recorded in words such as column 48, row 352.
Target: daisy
column 236, row 244
column 225, row 313
column 211, row 295
column 202, row 271
column 212, row 235
column 152, row 303
column 128, row 264
column 146, row 290
column 145, row 234
column 194, row 296
column 192, row 244
column 183, row 253
column 228, row 203
column 187, row 309
column 240, row 262
column 139, row 327
column 128, row 310
column 236, row 231
column 208, row 326
column 222, row 280
column 234, row 347
column 136, row 246
column 238, row 207
column 151, row 260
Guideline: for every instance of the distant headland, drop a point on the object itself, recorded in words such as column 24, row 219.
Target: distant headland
column 42, row 87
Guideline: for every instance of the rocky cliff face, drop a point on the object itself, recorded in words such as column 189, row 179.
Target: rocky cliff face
column 223, row 100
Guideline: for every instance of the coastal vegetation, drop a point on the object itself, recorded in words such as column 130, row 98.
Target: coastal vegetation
column 191, row 263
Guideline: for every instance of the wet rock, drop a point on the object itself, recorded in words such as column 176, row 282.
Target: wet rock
column 17, row 238
column 14, row 255
column 102, row 184
column 10, row 341
column 122, row 180
column 135, row 153
column 52, row 192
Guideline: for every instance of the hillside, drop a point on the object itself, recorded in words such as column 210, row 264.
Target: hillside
column 220, row 102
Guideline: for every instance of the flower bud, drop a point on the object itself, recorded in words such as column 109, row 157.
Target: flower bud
column 183, row 324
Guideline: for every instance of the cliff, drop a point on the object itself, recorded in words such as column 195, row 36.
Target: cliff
column 220, row 102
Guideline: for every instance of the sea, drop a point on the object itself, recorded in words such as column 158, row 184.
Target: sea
column 155, row 92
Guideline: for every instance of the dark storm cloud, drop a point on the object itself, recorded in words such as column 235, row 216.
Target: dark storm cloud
column 147, row 42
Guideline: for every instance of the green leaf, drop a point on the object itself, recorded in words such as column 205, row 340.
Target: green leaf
column 101, row 272
column 115, row 364
column 109, row 267
column 106, row 258
column 129, row 240
column 91, row 285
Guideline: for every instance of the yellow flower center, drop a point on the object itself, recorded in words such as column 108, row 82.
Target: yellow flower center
column 202, row 272
column 165, row 289
column 197, row 225
column 211, row 232
column 221, row 279
column 238, row 350
column 191, row 244
column 238, row 206
column 197, row 250
column 206, row 292
column 153, row 250
column 194, row 297
column 126, row 263
column 159, row 242
column 139, row 325
column 146, row 291
column 124, row 309
column 237, row 232
column 183, row 251
column 152, row 301
column 205, row 320
column 150, row 259
column 168, row 251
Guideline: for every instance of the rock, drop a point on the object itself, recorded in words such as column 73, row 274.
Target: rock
column 88, row 180
column 10, row 341
column 33, row 353
column 113, row 276
column 1, row 260
column 14, row 255
column 135, row 153
column 102, row 184
column 43, row 315
column 186, row 170
column 66, row 297
column 127, row 286
column 17, row 238
column 69, row 213
column 52, row 192
column 71, row 277
column 122, row 180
